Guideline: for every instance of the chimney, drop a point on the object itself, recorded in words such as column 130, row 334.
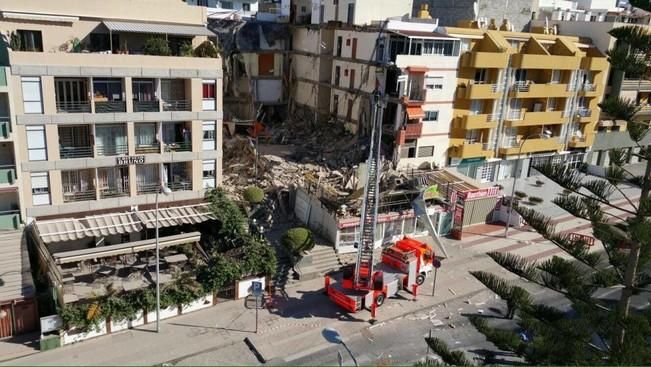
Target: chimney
column 424, row 12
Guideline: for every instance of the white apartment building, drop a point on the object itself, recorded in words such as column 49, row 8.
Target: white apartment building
column 359, row 12
column 579, row 10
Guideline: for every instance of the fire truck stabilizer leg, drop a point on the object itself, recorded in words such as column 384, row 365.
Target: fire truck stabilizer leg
column 327, row 284
column 414, row 290
column 373, row 311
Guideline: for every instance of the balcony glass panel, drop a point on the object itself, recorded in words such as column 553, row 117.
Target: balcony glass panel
column 108, row 96
column 113, row 182
column 178, row 176
column 72, row 95
column 148, row 178
column 146, row 140
column 77, row 186
column 111, row 140
column 177, row 137
column 75, row 142
column 173, row 95
column 144, row 96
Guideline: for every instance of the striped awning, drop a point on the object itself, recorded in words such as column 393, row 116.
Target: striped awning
column 70, row 229
column 175, row 216
column 158, row 28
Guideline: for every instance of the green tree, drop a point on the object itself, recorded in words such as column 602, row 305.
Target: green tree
column 296, row 241
column 231, row 228
column 206, row 49
column 218, row 272
column 253, row 194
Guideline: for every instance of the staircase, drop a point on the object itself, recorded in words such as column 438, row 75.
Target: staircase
column 320, row 260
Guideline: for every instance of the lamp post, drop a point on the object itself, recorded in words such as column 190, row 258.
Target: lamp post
column 545, row 135
column 333, row 336
column 166, row 191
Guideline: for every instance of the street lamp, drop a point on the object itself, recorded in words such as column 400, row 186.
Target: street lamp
column 545, row 135
column 333, row 336
column 166, row 191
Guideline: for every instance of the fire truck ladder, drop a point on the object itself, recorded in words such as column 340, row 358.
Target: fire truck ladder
column 364, row 268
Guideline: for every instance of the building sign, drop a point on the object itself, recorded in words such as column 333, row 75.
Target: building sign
column 135, row 159
column 479, row 193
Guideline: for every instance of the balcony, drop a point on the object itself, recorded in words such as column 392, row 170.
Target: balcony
column 479, row 91
column 177, row 137
column 528, row 89
column 3, row 76
column 177, row 105
column 584, row 115
column 536, row 119
column 485, row 60
column 181, row 146
column 595, row 63
column 111, row 150
column 413, row 131
column 532, row 146
column 416, row 96
column 530, row 61
column 178, row 176
column 109, row 192
column 471, row 150
column 148, row 188
column 148, row 149
column 482, row 121
column 8, row 174
column 182, row 184
column 73, row 106
column 146, row 106
column 72, row 152
column 9, row 220
column 71, row 197
column 110, row 106
column 588, row 90
column 577, row 142
column 113, row 182
column 640, row 85
column 78, row 185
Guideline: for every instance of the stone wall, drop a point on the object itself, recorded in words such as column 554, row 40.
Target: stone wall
column 449, row 12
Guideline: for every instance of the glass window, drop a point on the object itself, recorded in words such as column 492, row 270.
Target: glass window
column 246, row 7
column 349, row 236
column 145, row 134
column 36, row 146
column 30, row 40
column 209, row 136
column 209, row 177
column 209, row 89
column 32, row 99
column 227, row 5
column 431, row 116
column 426, row 151
column 40, row 188
column 410, row 225
column 143, row 90
column 107, row 90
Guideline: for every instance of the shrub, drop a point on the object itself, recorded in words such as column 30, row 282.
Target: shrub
column 520, row 194
column 206, row 49
column 296, row 241
column 535, row 200
column 186, row 50
column 157, row 46
column 15, row 42
column 253, row 194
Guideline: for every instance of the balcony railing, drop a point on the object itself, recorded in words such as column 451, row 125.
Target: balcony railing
column 417, row 95
column 177, row 105
column 76, row 152
column 110, row 106
column 178, row 147
column 110, row 150
column 8, row 174
column 584, row 112
column 146, row 106
column 147, row 188
column 182, row 185
column 110, row 192
column 413, row 130
column 515, row 115
column 69, row 197
column 587, row 87
column 521, row 86
column 73, row 107
column 148, row 149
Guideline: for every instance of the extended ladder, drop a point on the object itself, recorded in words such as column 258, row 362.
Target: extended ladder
column 364, row 268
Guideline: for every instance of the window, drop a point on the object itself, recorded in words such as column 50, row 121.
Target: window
column 426, row 151
column 335, row 2
column 434, row 86
column 351, row 13
column 40, row 188
column 30, row 40
column 408, row 149
column 339, row 45
column 227, row 5
column 209, row 136
column 431, row 116
column 337, row 75
column 209, row 177
column 36, row 146
column 303, row 9
column 246, row 7
column 556, row 76
column 209, row 95
column 32, row 98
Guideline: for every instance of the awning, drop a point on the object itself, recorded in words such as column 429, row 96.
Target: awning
column 417, row 69
column 124, row 248
column 158, row 28
column 71, row 229
column 40, row 17
column 414, row 113
column 176, row 216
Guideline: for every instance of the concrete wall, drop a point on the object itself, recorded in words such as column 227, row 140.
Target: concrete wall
column 449, row 12
column 597, row 31
column 366, row 11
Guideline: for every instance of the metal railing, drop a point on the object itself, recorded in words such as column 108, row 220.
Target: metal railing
column 111, row 192
column 75, row 152
column 148, row 149
column 178, row 146
column 515, row 115
column 73, row 107
column 110, row 150
column 587, row 87
column 110, row 106
column 146, row 106
column 69, row 197
column 493, row 117
column 584, row 112
column 177, row 105
column 182, row 185
column 417, row 95
column 521, row 86
column 147, row 188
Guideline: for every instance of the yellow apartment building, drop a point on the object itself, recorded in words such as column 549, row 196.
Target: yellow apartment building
column 523, row 97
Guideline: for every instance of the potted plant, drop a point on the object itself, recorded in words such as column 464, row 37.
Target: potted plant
column 157, row 46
